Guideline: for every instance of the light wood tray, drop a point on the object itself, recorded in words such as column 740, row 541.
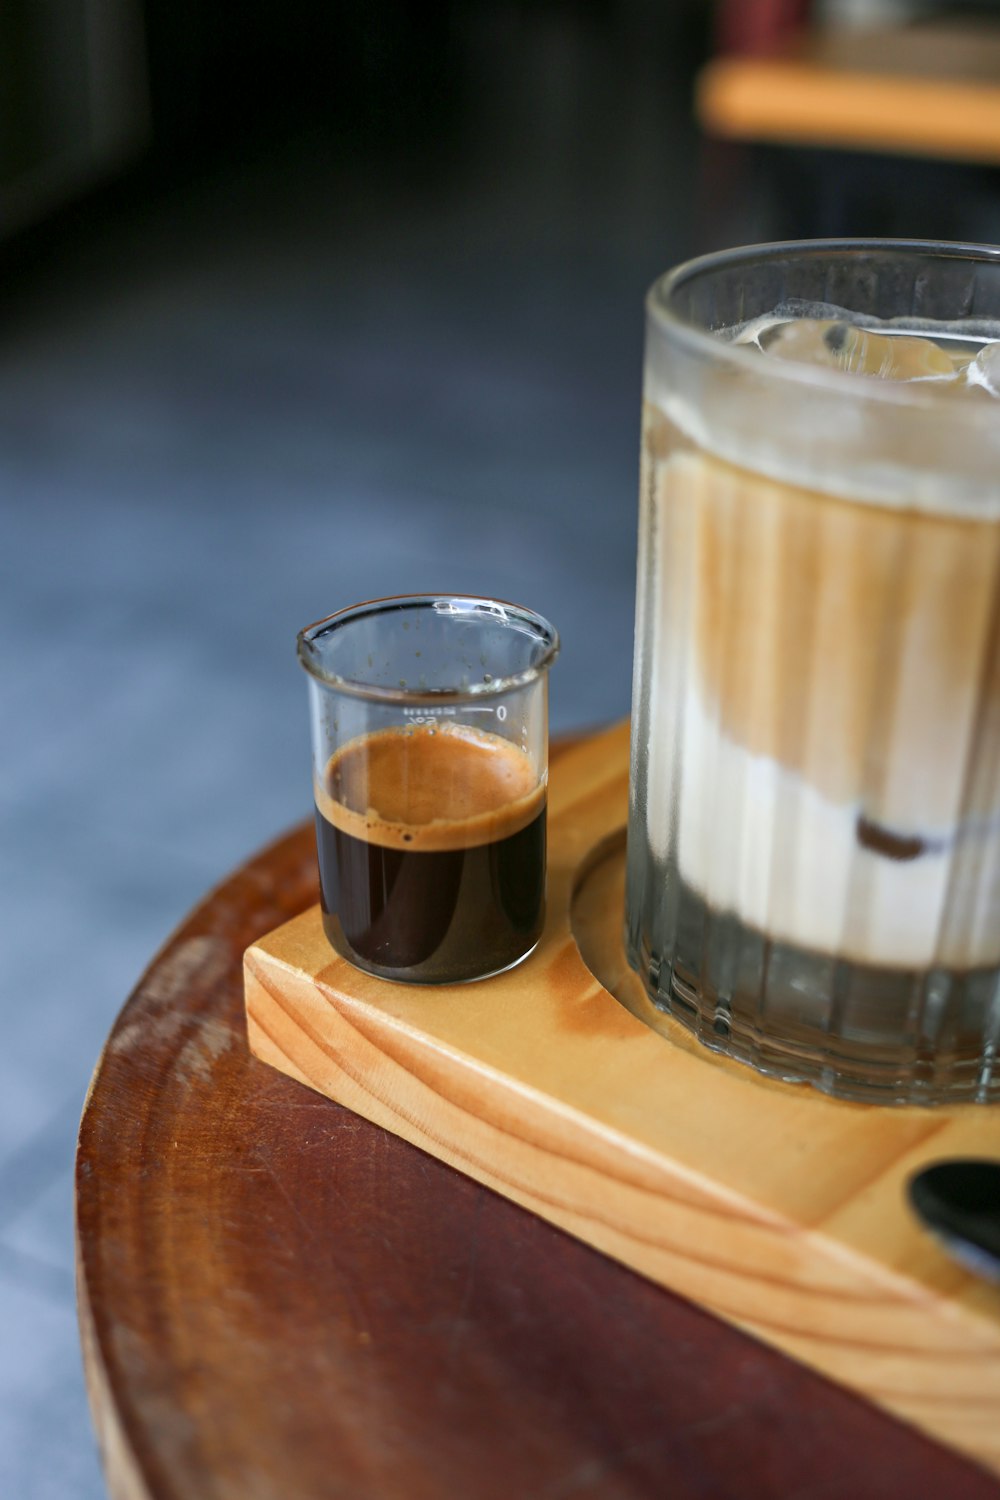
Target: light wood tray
column 772, row 1206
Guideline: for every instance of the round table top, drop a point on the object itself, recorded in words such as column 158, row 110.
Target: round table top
column 280, row 1300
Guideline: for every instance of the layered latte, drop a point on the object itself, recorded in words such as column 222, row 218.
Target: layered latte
column 816, row 756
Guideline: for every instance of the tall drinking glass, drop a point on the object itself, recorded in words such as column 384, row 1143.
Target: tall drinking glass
column 814, row 833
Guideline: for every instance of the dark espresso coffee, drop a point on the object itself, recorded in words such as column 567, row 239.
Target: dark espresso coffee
column 431, row 853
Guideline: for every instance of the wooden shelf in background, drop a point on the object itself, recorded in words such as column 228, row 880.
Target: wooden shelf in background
column 924, row 90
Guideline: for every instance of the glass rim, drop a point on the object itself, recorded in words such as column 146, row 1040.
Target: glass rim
column 502, row 612
column 702, row 341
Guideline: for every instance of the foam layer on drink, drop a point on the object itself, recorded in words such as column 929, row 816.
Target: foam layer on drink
column 883, row 417
column 430, row 788
column 824, row 708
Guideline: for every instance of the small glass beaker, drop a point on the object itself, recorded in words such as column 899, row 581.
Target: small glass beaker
column 430, row 767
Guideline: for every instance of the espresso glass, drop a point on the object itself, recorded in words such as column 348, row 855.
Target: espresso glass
column 430, row 766
column 814, row 836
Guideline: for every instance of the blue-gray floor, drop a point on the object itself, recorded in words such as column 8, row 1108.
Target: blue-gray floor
column 225, row 412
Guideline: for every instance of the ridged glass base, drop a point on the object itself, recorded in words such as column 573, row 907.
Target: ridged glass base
column 855, row 1031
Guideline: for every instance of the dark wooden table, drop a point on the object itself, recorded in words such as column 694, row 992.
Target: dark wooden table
column 279, row 1300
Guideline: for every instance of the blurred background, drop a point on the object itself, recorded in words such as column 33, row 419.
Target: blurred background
column 300, row 304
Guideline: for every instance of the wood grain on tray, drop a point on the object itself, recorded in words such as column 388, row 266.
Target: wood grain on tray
column 774, row 1207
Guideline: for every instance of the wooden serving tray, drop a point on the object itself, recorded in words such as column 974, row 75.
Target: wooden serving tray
column 776, row 1208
